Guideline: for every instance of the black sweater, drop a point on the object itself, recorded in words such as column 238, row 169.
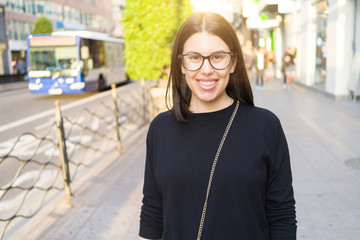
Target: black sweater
column 251, row 195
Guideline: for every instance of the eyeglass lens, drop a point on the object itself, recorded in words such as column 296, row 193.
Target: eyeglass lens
column 193, row 62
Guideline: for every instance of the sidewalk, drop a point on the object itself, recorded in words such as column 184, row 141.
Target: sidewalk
column 323, row 137
column 13, row 86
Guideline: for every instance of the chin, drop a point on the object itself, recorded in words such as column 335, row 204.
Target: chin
column 208, row 99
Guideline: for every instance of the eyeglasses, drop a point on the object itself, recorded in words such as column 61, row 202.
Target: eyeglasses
column 194, row 61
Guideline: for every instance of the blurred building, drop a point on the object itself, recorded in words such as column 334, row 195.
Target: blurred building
column 4, row 60
column 326, row 34
column 20, row 16
column 117, row 10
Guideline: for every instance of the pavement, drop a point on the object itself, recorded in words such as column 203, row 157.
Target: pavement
column 324, row 141
column 4, row 87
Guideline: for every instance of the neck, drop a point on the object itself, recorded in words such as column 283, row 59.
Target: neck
column 212, row 106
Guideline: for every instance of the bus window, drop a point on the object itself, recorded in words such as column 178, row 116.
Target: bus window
column 50, row 61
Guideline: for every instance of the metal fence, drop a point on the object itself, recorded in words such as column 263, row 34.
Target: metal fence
column 70, row 145
column 9, row 78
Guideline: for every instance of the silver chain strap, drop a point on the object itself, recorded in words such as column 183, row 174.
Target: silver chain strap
column 213, row 170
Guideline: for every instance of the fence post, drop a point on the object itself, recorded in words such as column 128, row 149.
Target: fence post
column 62, row 148
column 117, row 126
column 145, row 103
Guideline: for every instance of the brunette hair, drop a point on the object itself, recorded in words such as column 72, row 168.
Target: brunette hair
column 239, row 86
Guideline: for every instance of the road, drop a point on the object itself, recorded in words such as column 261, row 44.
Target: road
column 19, row 104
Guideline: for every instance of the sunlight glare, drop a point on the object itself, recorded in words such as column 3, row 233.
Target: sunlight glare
column 207, row 5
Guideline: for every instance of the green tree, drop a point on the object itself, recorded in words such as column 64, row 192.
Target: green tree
column 42, row 25
column 149, row 30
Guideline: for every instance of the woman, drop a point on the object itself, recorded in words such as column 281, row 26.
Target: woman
column 216, row 166
column 289, row 66
column 269, row 67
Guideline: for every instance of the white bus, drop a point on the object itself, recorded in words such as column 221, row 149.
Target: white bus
column 74, row 62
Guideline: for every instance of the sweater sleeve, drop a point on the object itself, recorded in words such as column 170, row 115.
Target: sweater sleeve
column 151, row 217
column 280, row 202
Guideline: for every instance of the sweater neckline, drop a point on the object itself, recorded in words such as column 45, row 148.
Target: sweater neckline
column 212, row 115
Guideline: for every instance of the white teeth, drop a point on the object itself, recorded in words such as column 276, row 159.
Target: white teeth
column 207, row 83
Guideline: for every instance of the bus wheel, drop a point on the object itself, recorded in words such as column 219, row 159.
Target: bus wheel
column 101, row 83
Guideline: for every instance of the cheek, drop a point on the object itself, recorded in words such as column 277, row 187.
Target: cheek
column 226, row 75
column 189, row 75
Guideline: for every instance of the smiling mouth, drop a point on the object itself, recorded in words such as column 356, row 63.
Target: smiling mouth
column 207, row 83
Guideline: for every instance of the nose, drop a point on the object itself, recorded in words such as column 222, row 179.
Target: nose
column 206, row 68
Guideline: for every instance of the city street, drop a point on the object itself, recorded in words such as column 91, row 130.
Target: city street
column 72, row 152
column 323, row 137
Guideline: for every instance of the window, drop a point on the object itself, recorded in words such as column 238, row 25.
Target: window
column 40, row 7
column 321, row 39
column 11, row 29
column 19, row 30
column 16, row 31
column 66, row 13
column 22, row 33
column 30, row 7
column 15, row 5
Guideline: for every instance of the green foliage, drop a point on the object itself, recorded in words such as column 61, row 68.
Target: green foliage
column 149, row 30
column 42, row 25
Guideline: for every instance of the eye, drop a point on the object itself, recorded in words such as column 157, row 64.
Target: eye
column 194, row 57
column 218, row 56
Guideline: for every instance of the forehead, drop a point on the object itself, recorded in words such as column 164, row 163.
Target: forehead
column 205, row 43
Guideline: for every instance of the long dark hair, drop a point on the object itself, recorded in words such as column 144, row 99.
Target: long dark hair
column 239, row 85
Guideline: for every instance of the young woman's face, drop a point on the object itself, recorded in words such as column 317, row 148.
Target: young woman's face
column 207, row 84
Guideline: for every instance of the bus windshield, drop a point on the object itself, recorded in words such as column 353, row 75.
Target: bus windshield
column 59, row 61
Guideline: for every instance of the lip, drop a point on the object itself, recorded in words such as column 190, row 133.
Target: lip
column 207, row 84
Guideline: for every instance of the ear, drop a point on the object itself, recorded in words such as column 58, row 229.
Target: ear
column 182, row 70
column 233, row 65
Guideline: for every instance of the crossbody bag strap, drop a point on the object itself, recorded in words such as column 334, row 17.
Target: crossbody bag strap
column 202, row 221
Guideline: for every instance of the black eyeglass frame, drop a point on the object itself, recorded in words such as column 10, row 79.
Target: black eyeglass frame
column 180, row 56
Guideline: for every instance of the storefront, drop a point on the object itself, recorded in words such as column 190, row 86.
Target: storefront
column 4, row 58
column 326, row 45
column 321, row 9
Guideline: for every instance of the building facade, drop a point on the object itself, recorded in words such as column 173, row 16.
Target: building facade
column 328, row 43
column 326, row 34
column 20, row 16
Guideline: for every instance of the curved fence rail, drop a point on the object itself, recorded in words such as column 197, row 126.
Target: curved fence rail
column 69, row 146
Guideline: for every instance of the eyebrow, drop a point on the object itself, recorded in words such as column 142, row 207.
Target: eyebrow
column 218, row 51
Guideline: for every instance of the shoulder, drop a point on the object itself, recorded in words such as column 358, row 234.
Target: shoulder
column 257, row 114
column 260, row 123
column 163, row 118
column 258, row 120
column 162, row 121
